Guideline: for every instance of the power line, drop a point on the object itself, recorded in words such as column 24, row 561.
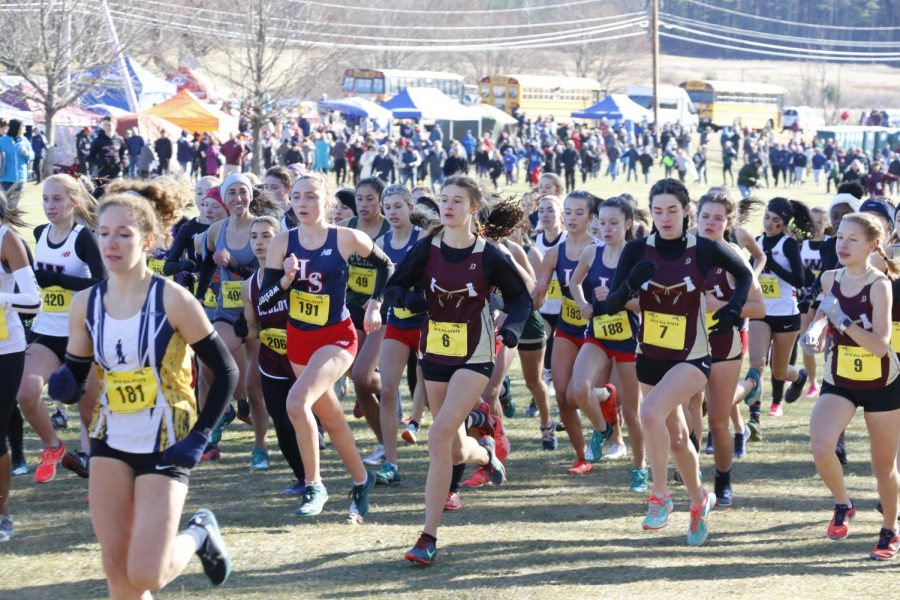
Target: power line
column 411, row 11
column 784, row 22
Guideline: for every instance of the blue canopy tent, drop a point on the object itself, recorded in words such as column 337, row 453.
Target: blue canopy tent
column 431, row 104
column 149, row 89
column 615, row 107
column 359, row 108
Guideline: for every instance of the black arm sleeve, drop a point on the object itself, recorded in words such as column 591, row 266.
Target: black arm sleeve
column 408, row 273
column 212, row 351
column 384, row 268
column 620, row 294
column 501, row 272
column 207, row 268
column 794, row 276
column 86, row 249
column 828, row 255
column 270, row 290
column 175, row 263
column 724, row 256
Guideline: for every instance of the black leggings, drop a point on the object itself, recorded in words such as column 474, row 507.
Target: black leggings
column 12, row 366
column 275, row 393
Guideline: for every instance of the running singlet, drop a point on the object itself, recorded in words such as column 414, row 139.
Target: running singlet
column 779, row 296
column 726, row 345
column 273, row 360
column 361, row 273
column 617, row 332
column 459, row 328
column 228, row 298
column 848, row 364
column 553, row 302
column 811, row 256
column 12, row 333
column 147, row 402
column 570, row 320
column 53, row 319
column 895, row 317
column 400, row 317
column 317, row 295
column 673, row 308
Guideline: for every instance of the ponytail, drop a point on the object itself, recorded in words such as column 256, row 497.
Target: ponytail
column 892, row 265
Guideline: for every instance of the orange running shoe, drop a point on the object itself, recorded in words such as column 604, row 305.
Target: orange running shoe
column 581, row 467
column 478, row 479
column 839, row 527
column 46, row 470
column 454, row 502
column 608, row 407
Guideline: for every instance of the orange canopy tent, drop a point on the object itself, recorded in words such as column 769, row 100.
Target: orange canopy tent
column 187, row 111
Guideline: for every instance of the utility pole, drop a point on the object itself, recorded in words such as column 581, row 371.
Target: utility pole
column 655, row 48
column 120, row 60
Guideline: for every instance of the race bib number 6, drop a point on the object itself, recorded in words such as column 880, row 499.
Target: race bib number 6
column 447, row 339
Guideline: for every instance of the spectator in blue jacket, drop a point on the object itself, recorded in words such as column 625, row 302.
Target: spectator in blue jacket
column 470, row 144
column 185, row 152
column 39, row 145
column 818, row 165
column 134, row 143
column 15, row 154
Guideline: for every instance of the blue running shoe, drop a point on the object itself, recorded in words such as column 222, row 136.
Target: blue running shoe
column 227, row 418
column 532, row 410
column 793, row 392
column 213, row 553
column 722, row 487
column 495, row 470
column 259, row 460
column 359, row 498
column 312, row 501
column 294, row 490
column 740, row 442
column 658, row 510
column 753, row 395
column 548, row 438
column 639, row 479
column 698, row 531
column 388, row 474
column 506, row 400
column 594, row 451
column 424, row 552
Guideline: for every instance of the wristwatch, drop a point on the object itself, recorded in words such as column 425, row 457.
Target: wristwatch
column 845, row 323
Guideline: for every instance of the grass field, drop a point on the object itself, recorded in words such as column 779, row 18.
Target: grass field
column 544, row 534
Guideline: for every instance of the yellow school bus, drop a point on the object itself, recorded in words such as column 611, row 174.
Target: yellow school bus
column 536, row 95
column 727, row 103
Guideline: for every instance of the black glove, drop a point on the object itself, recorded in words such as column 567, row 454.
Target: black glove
column 241, row 329
column 187, row 452
column 46, row 278
column 415, row 302
column 63, row 387
column 640, row 273
column 728, row 318
column 186, row 280
column 510, row 339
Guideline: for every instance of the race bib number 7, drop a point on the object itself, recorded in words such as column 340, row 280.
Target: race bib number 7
column 665, row 331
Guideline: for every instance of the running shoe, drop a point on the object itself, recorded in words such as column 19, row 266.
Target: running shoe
column 813, row 390
column 424, row 552
column 709, row 444
column 608, row 407
column 388, row 474
column 213, row 553
column 453, row 502
column 321, row 440
column 755, row 428
column 559, row 426
column 501, row 441
column 20, row 467
column 698, row 532
column 841, row 452
column 409, row 434
column 227, row 418
column 479, row 478
column 886, row 549
column 340, row 387
column 532, row 410
column 77, row 462
column 616, row 451
column 46, row 470
column 59, row 420
column 793, row 392
column 839, row 527
column 495, row 469
column 212, row 453
column 374, row 459
column 243, row 411
column 487, row 428
column 753, row 395
column 722, row 486
column 639, row 479
column 359, row 498
column 259, row 459
column 506, row 400
column 658, row 510
column 357, row 410
column 548, row 438
column 294, row 490
column 6, row 527
column 776, row 411
column 581, row 467
column 740, row 442
column 312, row 500
column 548, row 380
column 594, row 450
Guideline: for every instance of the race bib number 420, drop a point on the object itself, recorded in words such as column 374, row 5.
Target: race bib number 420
column 56, row 299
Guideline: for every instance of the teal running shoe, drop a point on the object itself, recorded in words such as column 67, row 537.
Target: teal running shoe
column 506, row 400
column 753, row 395
column 259, row 459
column 594, row 451
column 227, row 418
column 639, row 479
column 495, row 470
column 658, row 510
column 388, row 474
column 312, row 501
column 698, row 532
column 213, row 554
column 359, row 498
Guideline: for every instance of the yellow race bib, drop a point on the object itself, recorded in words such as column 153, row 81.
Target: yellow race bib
column 231, row 294
column 156, row 265
column 447, row 339
column 771, row 288
column 309, row 308
column 402, row 313
column 664, row 331
column 4, row 326
column 857, row 364
column 130, row 391
column 710, row 321
column 895, row 336
column 613, row 328
column 56, row 299
column 571, row 314
column 554, row 292
column 362, row 280
column 274, row 339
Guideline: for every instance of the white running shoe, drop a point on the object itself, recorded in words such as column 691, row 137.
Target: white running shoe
column 615, row 452
column 374, row 459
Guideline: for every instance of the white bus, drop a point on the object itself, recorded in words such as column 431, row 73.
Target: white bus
column 674, row 104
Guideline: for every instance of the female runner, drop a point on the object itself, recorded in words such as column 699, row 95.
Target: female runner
column 667, row 272
column 66, row 259
column 309, row 264
column 812, row 260
column 608, row 340
column 18, row 294
column 146, row 435
column 860, row 372
column 457, row 269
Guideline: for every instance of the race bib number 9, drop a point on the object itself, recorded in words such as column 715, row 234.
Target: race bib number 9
column 857, row 364
column 613, row 328
column 895, row 336
column 231, row 294
column 309, row 308
column 571, row 314
column 447, row 339
column 56, row 299
column 771, row 288
column 130, row 391
column 554, row 292
column 362, row 280
column 664, row 331
column 275, row 340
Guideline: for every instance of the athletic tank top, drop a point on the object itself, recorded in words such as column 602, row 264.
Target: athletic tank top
column 273, row 360
column 459, row 328
column 317, row 294
column 147, row 403
column 570, row 320
column 895, row 317
column 12, row 333
column 361, row 272
column 849, row 365
column 53, row 319
column 228, row 297
column 673, row 307
column 811, row 256
column 553, row 303
column 400, row 317
column 726, row 345
column 779, row 296
column 619, row 331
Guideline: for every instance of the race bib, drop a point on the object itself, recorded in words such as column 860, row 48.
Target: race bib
column 402, row 313
column 4, row 326
column 274, row 339
column 130, row 391
column 309, row 308
column 231, row 294
column 613, row 328
column 156, row 265
column 571, row 314
column 362, row 280
column 710, row 321
column 56, row 299
column 895, row 336
column 664, row 331
column 447, row 339
column 857, row 364
column 771, row 288
column 554, row 292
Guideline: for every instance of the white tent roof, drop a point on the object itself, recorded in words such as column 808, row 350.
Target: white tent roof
column 435, row 104
column 492, row 112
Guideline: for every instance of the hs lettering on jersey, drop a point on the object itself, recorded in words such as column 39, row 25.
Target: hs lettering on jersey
column 314, row 278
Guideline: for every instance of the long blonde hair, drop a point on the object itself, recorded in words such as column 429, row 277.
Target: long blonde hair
column 81, row 193
column 874, row 231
